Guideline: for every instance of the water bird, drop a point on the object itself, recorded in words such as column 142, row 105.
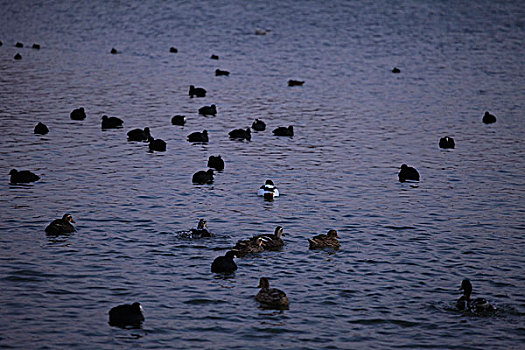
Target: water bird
column 396, row 70
column 41, row 129
column 408, row 173
column 139, row 134
column 114, row 51
column 208, row 110
column 78, row 114
column 268, row 190
column 447, row 142
column 271, row 297
column 219, row 72
column 36, row 46
column 224, row 264
column 1, row 43
column 173, row 50
column 19, row 44
column 248, row 246
column 126, row 315
column 292, row 82
column 261, row 31
column 216, row 162
column 199, row 92
column 240, row 134
column 258, row 125
column 156, row 144
column 178, row 120
column 61, row 226
column 203, row 177
column 272, row 241
column 111, row 122
column 202, row 230
column 24, row 176
column 214, row 57
column 283, row 131
column 466, row 303
column 489, row 118
column 199, row 136
column 18, row 56
column 328, row 240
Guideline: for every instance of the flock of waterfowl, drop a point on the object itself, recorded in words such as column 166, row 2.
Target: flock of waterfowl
column 132, row 314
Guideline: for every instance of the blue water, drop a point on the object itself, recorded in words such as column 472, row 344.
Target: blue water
column 405, row 247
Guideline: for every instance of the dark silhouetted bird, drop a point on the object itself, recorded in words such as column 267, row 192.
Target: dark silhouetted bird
column 126, row 315
column 199, row 92
column 272, row 298
column 198, row 136
column 489, row 118
column 224, row 264
column 139, row 135
column 61, row 226
column 283, row 131
column 41, row 129
column 216, row 162
column 24, row 176
column 203, row 177
column 111, row 122
column 219, row 72
column 240, row 134
column 292, row 82
column 258, row 125
column 408, row 173
column 78, row 114
column 156, row 144
column 447, row 142
column 478, row 305
column 178, row 120
column 208, row 110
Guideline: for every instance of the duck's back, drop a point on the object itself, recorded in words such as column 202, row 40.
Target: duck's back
column 272, row 297
column 59, row 226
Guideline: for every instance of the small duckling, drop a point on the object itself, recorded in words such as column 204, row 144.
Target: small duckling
column 178, row 120
column 268, row 190
column 272, row 298
column 216, row 163
column 240, row 134
column 173, row 50
column 203, row 177
column 22, row 177
column 41, row 129
column 199, row 92
column 396, row 70
column 224, row 264
column 292, row 82
column 258, row 125
column 208, row 110
column 446, row 142
column 126, row 315
column 111, row 122
column 139, row 134
column 201, row 137
column 61, row 226
column 248, row 246
column 272, row 242
column 489, row 118
column 478, row 305
column 78, row 114
column 156, row 145
column 283, row 131
column 325, row 241
column 408, row 173
column 219, row 72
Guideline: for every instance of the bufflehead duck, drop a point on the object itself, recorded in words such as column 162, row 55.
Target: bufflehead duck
column 268, row 190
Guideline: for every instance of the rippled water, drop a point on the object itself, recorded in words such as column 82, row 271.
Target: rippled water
column 405, row 249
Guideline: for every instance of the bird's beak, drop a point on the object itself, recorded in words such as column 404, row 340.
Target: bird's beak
column 73, row 220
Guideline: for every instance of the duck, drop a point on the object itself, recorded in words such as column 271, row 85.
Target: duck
column 240, row 134
column 19, row 44
column 214, row 57
column 271, row 297
column 23, row 176
column 203, row 177
column 139, row 134
column 292, row 82
column 114, row 51
column 156, row 144
column 41, row 129
column 248, row 246
column 199, row 92
column 396, row 70
column 18, row 56
column 173, row 50
column 61, row 226
column 283, row 131
column 224, row 264
column 446, row 142
column 178, row 120
column 208, row 110
column 258, row 125
column 408, row 173
column 478, row 305
column 219, row 72
column 489, row 118
column 272, row 242
column 198, row 136
column 36, row 46
column 111, row 122
column 329, row 240
column 126, row 315
column 202, row 230
column 216, row 162
column 78, row 114
column 269, row 191
column 260, row 31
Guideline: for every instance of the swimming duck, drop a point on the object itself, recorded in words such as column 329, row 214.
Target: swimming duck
column 114, row 51
column 203, row 177
column 139, row 134
column 446, row 142
column 248, row 246
column 198, row 136
column 18, row 56
column 61, row 226
column 272, row 242
column 292, row 82
column 126, row 315
column 214, row 57
column 24, row 176
column 408, row 173
column 111, row 122
column 489, row 118
column 208, row 110
column 325, row 241
column 173, row 50
column 283, row 131
column 219, row 72
column 396, row 70
column 156, row 144
column 199, row 92
column 258, row 125
column 178, row 120
column 260, row 31
column 36, row 46
column 478, row 305
column 216, row 162
column 224, row 263
column 202, row 230
column 240, row 134
column 41, row 129
column 268, row 190
column 78, row 114
column 19, row 44
column 271, row 297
